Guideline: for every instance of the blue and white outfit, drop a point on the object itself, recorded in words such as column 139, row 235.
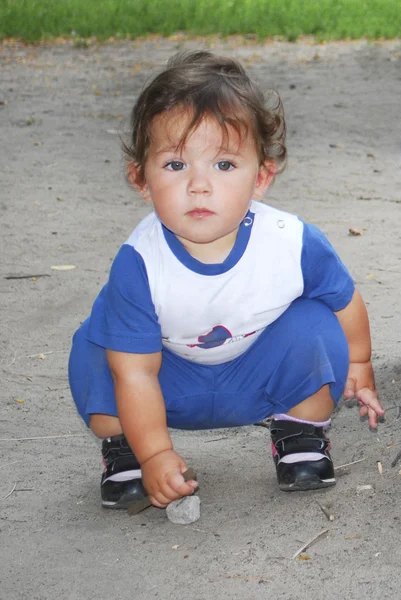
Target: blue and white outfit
column 240, row 340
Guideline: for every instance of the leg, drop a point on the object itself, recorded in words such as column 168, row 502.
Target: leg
column 300, row 447
column 317, row 407
column 298, row 366
column 312, row 361
column 104, row 426
column 296, row 371
column 91, row 383
column 189, row 404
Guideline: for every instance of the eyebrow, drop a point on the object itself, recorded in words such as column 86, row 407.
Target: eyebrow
column 222, row 149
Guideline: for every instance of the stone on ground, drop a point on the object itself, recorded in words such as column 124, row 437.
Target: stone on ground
column 184, row 511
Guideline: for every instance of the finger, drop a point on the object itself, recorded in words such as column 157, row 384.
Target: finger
column 168, row 492
column 190, row 486
column 372, row 419
column 349, row 389
column 363, row 411
column 164, row 496
column 180, row 486
column 156, row 503
column 369, row 398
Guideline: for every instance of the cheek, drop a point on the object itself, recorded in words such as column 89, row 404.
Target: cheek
column 165, row 199
column 245, row 187
column 169, row 190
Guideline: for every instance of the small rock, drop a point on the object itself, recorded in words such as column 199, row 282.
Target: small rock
column 184, row 511
column 364, row 488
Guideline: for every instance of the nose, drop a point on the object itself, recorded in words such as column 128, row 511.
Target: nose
column 199, row 182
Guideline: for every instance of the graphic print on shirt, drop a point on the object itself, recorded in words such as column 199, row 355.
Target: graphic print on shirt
column 218, row 336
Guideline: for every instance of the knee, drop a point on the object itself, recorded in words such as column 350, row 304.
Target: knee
column 308, row 318
column 313, row 332
column 104, row 426
column 80, row 333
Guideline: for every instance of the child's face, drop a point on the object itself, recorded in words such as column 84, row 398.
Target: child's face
column 202, row 191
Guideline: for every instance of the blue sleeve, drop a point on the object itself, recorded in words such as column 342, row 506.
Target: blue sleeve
column 325, row 277
column 123, row 316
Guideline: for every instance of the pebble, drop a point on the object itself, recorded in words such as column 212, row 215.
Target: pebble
column 184, row 511
column 364, row 488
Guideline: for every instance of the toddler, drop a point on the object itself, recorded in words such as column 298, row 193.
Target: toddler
column 219, row 310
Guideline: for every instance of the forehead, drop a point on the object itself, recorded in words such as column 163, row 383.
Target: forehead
column 172, row 129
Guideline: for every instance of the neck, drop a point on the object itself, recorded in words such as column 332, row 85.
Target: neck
column 212, row 253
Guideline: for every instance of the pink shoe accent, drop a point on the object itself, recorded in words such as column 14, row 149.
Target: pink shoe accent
column 283, row 417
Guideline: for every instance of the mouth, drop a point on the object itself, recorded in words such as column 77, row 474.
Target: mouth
column 200, row 213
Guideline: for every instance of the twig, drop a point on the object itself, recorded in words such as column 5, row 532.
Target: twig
column 30, row 377
column 27, row 276
column 11, row 463
column 309, row 544
column 389, row 269
column 396, row 459
column 325, row 511
column 263, row 424
column 13, row 360
column 45, row 437
column 354, row 462
column 397, row 409
column 46, row 353
column 9, row 493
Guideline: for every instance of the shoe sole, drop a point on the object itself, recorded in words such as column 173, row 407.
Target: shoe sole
column 123, row 504
column 116, row 505
column 307, row 484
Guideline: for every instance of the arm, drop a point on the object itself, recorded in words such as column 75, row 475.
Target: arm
column 360, row 382
column 142, row 416
column 140, row 403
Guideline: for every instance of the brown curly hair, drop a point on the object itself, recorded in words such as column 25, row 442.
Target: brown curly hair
column 208, row 85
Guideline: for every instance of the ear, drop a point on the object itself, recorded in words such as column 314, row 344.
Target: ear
column 265, row 177
column 132, row 173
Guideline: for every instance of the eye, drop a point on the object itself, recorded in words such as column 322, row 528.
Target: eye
column 175, row 165
column 224, row 165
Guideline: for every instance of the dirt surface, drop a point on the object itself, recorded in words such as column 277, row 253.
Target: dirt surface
column 64, row 201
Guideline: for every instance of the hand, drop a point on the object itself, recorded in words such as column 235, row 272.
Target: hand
column 361, row 385
column 163, row 480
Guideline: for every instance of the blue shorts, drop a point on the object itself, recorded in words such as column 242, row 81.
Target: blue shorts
column 304, row 349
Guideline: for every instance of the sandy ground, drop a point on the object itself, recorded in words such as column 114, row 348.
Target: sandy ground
column 64, row 201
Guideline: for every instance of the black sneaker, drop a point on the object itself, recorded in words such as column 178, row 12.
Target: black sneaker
column 301, row 455
column 121, row 483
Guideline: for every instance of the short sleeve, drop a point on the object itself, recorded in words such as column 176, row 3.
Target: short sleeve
column 123, row 316
column 325, row 276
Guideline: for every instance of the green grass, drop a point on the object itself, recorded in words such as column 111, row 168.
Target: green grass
column 34, row 20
